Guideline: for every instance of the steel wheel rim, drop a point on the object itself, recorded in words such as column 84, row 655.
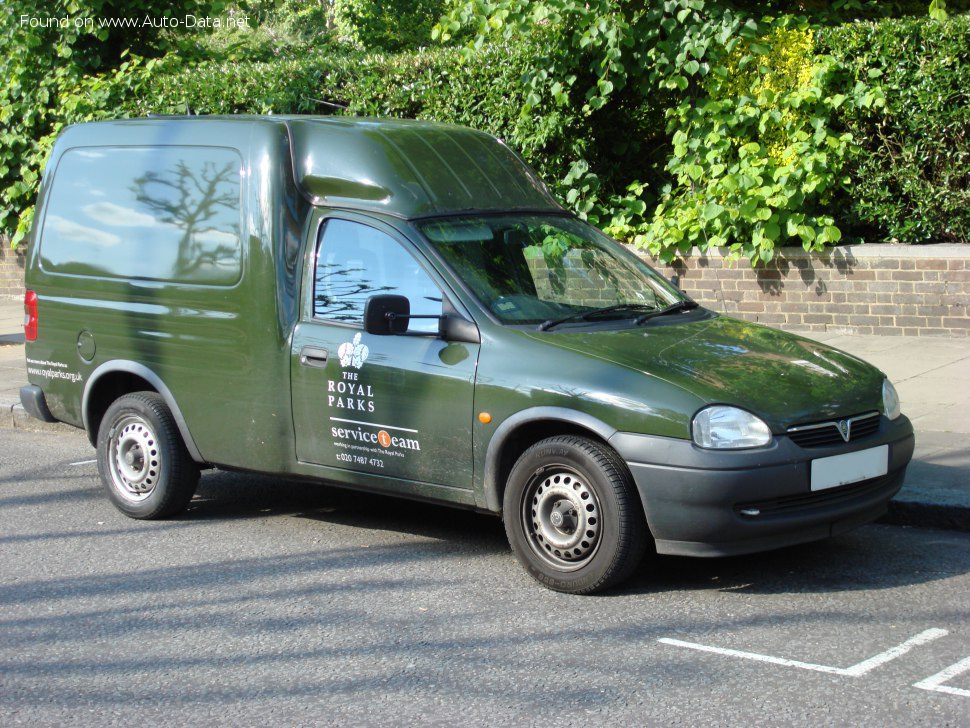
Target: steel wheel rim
column 134, row 459
column 561, row 518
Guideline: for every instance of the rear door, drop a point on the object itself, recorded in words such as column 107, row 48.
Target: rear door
column 397, row 406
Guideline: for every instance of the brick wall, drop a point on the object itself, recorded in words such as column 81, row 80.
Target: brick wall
column 862, row 289
column 11, row 270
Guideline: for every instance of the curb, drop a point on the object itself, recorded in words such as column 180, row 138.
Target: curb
column 14, row 416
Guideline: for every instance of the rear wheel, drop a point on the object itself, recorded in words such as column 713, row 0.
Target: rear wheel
column 144, row 466
column 572, row 515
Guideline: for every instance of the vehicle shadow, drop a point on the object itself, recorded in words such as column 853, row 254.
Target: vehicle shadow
column 873, row 557
column 224, row 495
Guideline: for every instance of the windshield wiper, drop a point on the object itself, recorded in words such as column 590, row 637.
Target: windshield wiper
column 596, row 312
column 672, row 308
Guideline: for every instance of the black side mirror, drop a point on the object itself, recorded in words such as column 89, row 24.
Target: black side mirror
column 387, row 314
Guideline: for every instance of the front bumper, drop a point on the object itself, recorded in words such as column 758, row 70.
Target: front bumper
column 693, row 498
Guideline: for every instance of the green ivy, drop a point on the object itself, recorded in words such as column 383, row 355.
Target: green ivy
column 911, row 183
column 671, row 124
column 756, row 147
column 759, row 153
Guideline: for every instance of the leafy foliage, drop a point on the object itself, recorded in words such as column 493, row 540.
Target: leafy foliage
column 756, row 147
column 672, row 124
column 911, row 181
column 388, row 25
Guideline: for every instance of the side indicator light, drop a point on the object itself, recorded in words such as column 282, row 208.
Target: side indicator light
column 484, row 417
column 30, row 316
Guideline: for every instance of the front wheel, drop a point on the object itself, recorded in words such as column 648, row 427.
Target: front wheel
column 144, row 466
column 572, row 515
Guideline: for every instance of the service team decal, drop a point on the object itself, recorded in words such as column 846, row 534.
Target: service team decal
column 362, row 443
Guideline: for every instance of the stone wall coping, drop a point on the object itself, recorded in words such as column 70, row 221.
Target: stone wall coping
column 869, row 250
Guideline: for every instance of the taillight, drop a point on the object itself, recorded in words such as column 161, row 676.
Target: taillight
column 30, row 316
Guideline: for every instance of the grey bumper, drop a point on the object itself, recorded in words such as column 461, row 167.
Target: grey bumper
column 35, row 403
column 693, row 498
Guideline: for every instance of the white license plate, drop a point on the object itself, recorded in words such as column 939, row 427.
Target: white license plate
column 850, row 468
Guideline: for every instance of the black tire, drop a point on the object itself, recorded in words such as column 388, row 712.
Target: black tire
column 572, row 515
column 144, row 466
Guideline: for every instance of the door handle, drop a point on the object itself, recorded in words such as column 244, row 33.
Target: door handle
column 313, row 356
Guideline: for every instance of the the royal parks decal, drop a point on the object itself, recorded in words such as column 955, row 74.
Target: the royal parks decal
column 356, row 441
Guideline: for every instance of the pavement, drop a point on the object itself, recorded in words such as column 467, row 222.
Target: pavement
column 931, row 374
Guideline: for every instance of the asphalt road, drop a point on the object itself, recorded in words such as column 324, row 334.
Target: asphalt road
column 275, row 603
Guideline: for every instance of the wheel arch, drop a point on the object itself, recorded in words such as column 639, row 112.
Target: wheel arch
column 522, row 430
column 115, row 378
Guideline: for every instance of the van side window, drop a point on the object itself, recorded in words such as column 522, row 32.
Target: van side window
column 355, row 262
column 162, row 213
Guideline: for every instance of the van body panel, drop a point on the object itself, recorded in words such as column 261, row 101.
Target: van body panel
column 410, row 169
column 373, row 403
column 215, row 346
column 738, row 363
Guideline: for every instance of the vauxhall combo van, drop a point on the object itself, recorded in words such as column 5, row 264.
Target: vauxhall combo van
column 404, row 308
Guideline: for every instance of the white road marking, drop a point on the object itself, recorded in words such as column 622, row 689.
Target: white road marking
column 752, row 656
column 935, row 682
column 881, row 659
column 856, row 670
column 84, row 462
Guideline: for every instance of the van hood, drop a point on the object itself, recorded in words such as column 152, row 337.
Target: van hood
column 782, row 378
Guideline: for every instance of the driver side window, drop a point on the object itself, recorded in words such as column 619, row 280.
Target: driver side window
column 355, row 261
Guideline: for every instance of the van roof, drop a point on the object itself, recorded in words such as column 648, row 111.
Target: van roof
column 400, row 167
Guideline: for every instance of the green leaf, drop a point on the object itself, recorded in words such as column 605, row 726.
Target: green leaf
column 831, row 233
column 678, row 82
column 806, row 233
column 772, row 231
column 749, row 209
column 937, row 10
column 712, row 210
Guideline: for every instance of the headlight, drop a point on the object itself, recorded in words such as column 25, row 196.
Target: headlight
column 890, row 400
column 721, row 427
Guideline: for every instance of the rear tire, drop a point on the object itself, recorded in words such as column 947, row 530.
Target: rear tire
column 144, row 465
column 572, row 515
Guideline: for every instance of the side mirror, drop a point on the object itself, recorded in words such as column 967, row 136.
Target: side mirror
column 386, row 314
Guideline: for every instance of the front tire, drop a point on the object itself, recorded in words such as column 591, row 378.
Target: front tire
column 144, row 466
column 572, row 515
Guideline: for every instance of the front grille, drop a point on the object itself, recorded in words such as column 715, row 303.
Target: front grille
column 820, row 434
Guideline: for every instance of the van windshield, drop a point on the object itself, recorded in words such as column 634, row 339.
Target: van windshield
column 547, row 269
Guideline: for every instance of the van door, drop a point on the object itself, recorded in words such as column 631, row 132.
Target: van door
column 398, row 406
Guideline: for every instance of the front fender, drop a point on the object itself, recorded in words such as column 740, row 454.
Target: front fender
column 492, row 486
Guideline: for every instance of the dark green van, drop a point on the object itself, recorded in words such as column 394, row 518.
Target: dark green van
column 403, row 307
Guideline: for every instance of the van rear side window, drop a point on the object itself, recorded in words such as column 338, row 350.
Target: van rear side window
column 165, row 213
